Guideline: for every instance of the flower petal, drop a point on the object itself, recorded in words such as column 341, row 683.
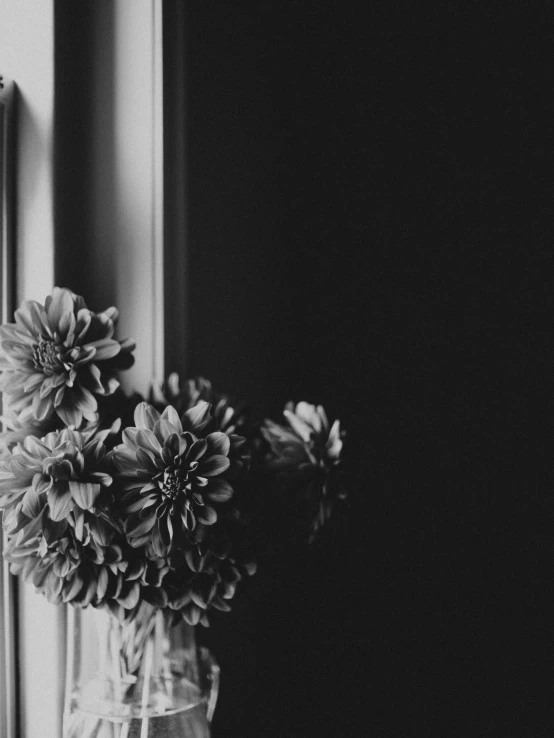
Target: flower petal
column 60, row 503
column 147, row 461
column 188, row 518
column 102, row 586
column 219, row 443
column 197, row 450
column 160, row 548
column 106, row 348
column 146, row 416
column 155, row 596
column 192, row 614
column 57, row 304
column 207, row 515
column 163, row 428
column 165, row 527
column 66, row 327
column 334, row 442
column 198, row 415
column 307, row 413
column 171, row 446
column 33, row 503
column 94, row 383
column 142, row 503
column 323, row 416
column 32, row 382
column 131, row 597
column 102, row 478
column 42, row 407
column 147, row 439
column 218, row 490
column 135, row 527
column 84, row 493
column 42, row 483
column 299, row 426
column 71, row 416
column 84, row 399
column 72, row 587
column 125, row 459
column 36, row 448
column 171, row 415
column 29, row 317
column 84, row 318
column 209, row 467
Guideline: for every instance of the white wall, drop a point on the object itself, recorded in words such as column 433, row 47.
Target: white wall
column 127, row 210
column 27, row 57
column 132, row 219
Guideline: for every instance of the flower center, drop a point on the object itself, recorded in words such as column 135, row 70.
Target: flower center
column 177, row 484
column 172, row 483
column 45, row 355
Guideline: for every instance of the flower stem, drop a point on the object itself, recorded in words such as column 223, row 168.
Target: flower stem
column 149, row 656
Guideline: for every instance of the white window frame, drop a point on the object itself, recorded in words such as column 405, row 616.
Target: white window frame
column 8, row 589
column 133, row 219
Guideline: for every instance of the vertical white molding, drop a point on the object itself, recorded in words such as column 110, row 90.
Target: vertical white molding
column 138, row 191
column 27, row 56
column 8, row 686
column 127, row 210
column 127, row 176
column 8, row 625
column 158, row 163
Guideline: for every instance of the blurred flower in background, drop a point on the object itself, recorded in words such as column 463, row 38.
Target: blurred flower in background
column 306, row 453
column 182, row 397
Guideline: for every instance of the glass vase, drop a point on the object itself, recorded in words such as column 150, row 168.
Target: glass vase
column 142, row 679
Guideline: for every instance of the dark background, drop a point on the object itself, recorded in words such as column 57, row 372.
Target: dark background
column 370, row 227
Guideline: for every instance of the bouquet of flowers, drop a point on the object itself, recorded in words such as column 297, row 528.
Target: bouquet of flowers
column 138, row 504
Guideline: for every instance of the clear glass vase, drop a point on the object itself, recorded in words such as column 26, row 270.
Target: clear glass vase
column 141, row 679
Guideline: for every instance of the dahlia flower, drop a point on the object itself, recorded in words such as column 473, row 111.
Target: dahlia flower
column 58, row 357
column 16, row 431
column 82, row 567
column 205, row 576
column 193, row 391
column 211, row 588
column 176, row 471
column 62, row 528
column 61, row 472
column 306, row 452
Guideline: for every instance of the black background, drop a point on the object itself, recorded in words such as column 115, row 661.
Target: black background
column 370, row 227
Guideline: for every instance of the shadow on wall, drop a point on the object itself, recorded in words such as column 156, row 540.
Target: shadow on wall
column 86, row 206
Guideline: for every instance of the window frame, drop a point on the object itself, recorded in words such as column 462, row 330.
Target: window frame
column 130, row 34
column 9, row 681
